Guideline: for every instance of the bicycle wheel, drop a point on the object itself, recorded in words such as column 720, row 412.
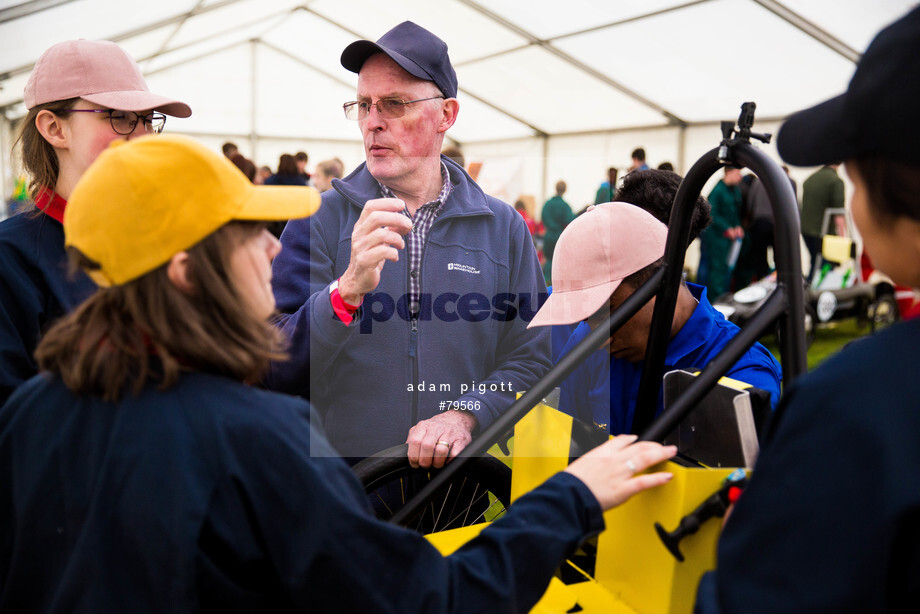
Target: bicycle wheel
column 481, row 491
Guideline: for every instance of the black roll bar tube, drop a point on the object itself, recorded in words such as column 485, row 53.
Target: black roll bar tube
column 788, row 304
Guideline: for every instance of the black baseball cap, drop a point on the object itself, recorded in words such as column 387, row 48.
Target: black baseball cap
column 418, row 51
column 876, row 116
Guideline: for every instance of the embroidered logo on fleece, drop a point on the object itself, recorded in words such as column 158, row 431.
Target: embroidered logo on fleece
column 456, row 266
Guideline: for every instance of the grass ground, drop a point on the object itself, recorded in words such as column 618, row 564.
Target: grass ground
column 830, row 338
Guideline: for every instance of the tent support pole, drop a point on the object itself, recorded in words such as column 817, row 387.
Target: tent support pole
column 681, row 148
column 253, row 137
column 543, row 169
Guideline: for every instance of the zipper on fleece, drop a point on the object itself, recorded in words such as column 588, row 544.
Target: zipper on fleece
column 413, row 357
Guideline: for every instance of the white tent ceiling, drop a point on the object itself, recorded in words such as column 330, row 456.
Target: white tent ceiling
column 591, row 78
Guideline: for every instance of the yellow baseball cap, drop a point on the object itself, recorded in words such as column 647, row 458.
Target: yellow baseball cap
column 145, row 200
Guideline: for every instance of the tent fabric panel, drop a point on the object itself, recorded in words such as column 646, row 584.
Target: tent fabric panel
column 26, row 38
column 198, row 43
column 469, row 33
column 480, row 122
column 548, row 93
column 299, row 101
column 11, row 92
column 545, row 21
column 697, row 71
column 315, row 42
column 225, row 19
column 146, row 45
column 854, row 24
column 224, row 105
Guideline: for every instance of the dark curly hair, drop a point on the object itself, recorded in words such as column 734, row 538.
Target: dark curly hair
column 654, row 191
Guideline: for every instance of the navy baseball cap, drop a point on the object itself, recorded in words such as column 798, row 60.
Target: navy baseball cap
column 877, row 114
column 418, row 51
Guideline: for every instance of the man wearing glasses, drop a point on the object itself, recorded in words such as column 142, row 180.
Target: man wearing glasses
column 407, row 296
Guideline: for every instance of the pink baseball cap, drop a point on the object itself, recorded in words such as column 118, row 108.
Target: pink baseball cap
column 98, row 71
column 593, row 256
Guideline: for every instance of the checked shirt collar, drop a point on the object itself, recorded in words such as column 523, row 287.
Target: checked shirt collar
column 415, row 240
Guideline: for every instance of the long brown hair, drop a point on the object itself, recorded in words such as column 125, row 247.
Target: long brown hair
column 287, row 165
column 38, row 157
column 122, row 337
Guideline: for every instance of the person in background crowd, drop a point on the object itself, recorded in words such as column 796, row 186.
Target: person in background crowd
column 246, row 166
column 142, row 473
column 638, row 160
column 605, row 191
column 795, row 186
column 326, row 171
column 521, row 208
column 742, row 274
column 262, row 174
column 301, row 158
column 760, row 229
column 288, row 173
column 829, row 520
column 666, row 166
column 556, row 215
column 414, row 244
column 70, row 120
column 719, row 251
column 822, row 190
column 21, row 200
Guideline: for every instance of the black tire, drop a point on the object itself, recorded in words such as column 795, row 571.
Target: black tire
column 883, row 312
column 480, row 492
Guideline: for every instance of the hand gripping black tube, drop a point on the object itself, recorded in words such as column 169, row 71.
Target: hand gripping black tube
column 502, row 424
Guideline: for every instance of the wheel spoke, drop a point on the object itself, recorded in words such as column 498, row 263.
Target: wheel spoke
column 379, row 498
column 473, row 502
column 457, row 499
column 485, row 511
column 443, row 503
column 474, row 499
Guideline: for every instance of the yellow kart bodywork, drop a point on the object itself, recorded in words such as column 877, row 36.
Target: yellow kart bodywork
column 634, row 572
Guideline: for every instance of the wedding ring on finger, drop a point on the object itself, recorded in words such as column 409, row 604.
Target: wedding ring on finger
column 443, row 443
column 631, row 465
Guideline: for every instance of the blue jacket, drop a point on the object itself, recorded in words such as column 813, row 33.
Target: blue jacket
column 830, row 521
column 212, row 496
column 603, row 390
column 481, row 284
column 35, row 290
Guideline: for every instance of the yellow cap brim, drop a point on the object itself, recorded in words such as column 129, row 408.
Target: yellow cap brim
column 278, row 202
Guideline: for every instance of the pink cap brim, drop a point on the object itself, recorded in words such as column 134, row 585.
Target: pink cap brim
column 139, row 101
column 573, row 306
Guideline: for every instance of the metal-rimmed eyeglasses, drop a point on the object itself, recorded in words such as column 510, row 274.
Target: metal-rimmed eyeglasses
column 388, row 108
column 124, row 122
